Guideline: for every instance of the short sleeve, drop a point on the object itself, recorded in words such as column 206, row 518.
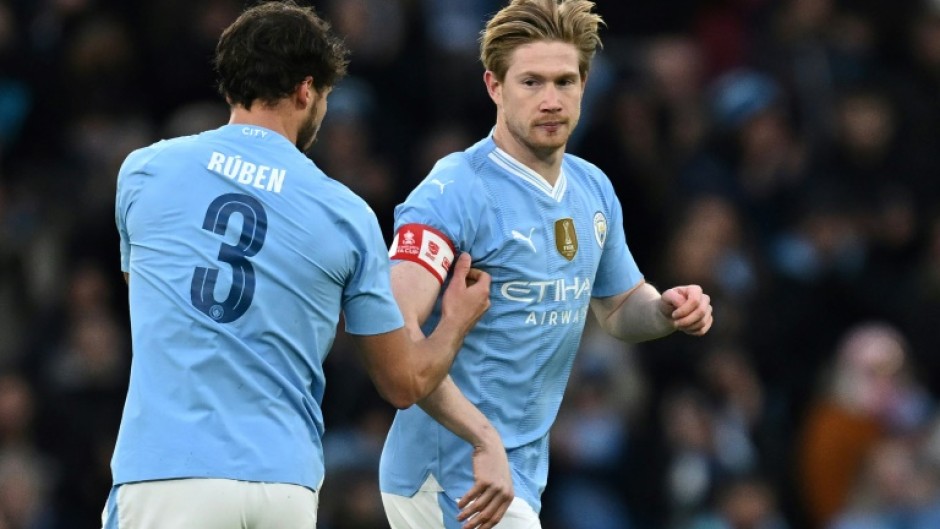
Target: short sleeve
column 122, row 232
column 368, row 304
column 617, row 271
column 129, row 183
column 444, row 209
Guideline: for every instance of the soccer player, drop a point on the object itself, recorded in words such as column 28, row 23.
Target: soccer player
column 240, row 255
column 548, row 228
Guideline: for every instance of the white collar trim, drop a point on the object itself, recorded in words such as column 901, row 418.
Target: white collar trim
column 517, row 168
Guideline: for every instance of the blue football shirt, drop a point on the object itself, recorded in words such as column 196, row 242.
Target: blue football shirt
column 549, row 251
column 241, row 255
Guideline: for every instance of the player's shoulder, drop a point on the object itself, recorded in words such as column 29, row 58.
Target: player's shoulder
column 139, row 159
column 339, row 192
column 143, row 159
column 584, row 168
column 337, row 195
column 454, row 177
column 464, row 170
column 455, row 169
column 586, row 173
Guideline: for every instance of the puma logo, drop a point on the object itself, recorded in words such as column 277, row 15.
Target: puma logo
column 528, row 240
column 441, row 184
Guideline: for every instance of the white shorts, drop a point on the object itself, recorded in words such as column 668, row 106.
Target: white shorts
column 210, row 504
column 430, row 508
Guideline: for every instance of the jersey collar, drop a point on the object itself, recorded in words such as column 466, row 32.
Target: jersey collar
column 520, row 170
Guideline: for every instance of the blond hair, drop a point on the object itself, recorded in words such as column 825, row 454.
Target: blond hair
column 526, row 21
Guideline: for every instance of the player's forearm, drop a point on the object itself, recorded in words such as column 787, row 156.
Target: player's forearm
column 405, row 366
column 448, row 406
column 639, row 317
column 416, row 292
column 436, row 355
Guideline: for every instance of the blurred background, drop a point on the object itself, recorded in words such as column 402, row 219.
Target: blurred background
column 784, row 154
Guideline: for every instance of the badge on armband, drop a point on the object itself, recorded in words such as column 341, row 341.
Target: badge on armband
column 423, row 245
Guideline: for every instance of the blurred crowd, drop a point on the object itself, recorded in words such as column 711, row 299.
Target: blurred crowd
column 784, row 154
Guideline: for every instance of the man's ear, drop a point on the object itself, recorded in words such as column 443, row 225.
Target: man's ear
column 305, row 93
column 493, row 86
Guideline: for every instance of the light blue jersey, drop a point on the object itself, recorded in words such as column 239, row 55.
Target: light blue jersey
column 241, row 254
column 549, row 250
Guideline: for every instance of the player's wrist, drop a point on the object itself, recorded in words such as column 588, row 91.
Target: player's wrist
column 485, row 437
column 663, row 316
column 451, row 332
column 458, row 320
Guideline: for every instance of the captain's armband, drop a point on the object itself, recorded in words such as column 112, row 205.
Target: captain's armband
column 423, row 245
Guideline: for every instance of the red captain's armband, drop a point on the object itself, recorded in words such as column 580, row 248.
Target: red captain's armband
column 423, row 245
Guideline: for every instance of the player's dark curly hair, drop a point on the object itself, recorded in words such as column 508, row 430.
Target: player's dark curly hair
column 273, row 47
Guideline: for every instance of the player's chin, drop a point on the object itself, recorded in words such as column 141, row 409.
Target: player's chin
column 551, row 141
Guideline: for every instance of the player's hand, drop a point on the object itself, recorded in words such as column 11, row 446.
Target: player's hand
column 486, row 503
column 689, row 308
column 474, row 275
column 468, row 295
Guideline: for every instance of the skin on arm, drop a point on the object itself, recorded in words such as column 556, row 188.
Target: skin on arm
column 406, row 368
column 488, row 500
column 642, row 313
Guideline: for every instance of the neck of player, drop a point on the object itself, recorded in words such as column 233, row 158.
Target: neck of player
column 276, row 117
column 546, row 162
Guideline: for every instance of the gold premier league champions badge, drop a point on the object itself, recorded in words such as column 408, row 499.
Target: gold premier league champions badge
column 566, row 239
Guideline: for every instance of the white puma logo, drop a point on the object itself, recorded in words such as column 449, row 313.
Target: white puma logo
column 441, row 184
column 520, row 237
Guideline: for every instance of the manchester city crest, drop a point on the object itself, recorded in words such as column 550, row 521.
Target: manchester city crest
column 600, row 228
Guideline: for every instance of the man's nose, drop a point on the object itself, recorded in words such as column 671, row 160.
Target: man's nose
column 551, row 100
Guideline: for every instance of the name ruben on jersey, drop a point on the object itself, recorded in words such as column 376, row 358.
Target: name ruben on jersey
column 247, row 173
column 426, row 246
column 562, row 290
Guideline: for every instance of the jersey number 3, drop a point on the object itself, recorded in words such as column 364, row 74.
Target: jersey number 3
column 254, row 228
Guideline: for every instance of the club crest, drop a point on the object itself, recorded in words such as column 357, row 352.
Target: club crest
column 600, row 228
